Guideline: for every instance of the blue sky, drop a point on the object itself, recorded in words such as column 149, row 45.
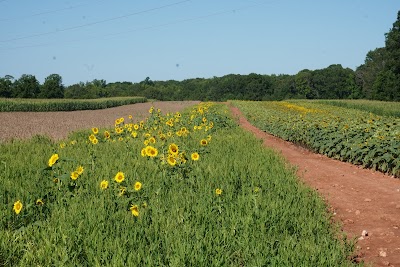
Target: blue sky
column 84, row 40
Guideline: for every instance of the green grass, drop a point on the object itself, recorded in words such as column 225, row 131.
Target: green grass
column 41, row 105
column 264, row 216
column 381, row 108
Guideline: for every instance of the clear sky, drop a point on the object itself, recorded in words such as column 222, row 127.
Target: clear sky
column 82, row 40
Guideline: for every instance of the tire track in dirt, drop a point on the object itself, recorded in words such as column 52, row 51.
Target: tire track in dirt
column 360, row 199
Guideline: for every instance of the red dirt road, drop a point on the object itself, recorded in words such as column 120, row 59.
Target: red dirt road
column 361, row 199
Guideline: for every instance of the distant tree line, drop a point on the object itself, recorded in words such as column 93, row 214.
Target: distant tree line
column 378, row 78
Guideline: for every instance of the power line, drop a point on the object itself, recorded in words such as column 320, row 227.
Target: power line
column 45, row 12
column 149, row 27
column 94, row 23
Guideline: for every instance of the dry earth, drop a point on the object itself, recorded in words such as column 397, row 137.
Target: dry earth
column 58, row 125
column 360, row 199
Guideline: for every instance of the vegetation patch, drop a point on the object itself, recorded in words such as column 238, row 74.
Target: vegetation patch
column 359, row 137
column 36, row 105
column 189, row 189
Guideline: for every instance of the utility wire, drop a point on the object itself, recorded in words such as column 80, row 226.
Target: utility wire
column 147, row 28
column 44, row 12
column 93, row 23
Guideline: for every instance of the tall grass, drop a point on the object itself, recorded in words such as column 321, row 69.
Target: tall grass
column 36, row 105
column 262, row 217
column 376, row 107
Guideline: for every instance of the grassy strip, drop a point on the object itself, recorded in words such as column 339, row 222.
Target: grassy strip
column 43, row 105
column 236, row 204
column 377, row 107
column 345, row 134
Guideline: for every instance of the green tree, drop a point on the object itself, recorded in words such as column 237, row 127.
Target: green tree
column 392, row 42
column 27, row 86
column 52, row 87
column 6, row 85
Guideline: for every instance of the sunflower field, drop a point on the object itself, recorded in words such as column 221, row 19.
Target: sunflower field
column 189, row 189
column 347, row 134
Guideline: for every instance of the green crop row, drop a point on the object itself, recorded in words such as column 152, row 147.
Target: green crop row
column 381, row 108
column 44, row 105
column 359, row 137
column 189, row 189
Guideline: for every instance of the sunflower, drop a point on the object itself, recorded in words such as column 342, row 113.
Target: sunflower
column 143, row 152
column 74, row 175
column 130, row 117
column 151, row 151
column 119, row 177
column 152, row 140
column 136, row 127
column 39, row 202
column 53, row 159
column 195, row 156
column 138, row 186
column 203, row 142
column 107, row 134
column 171, row 160
column 95, row 130
column 134, row 134
column 92, row 137
column 173, row 149
column 80, row 170
column 122, row 191
column 62, row 145
column 135, row 210
column 95, row 141
column 104, row 184
column 17, row 207
column 218, row 191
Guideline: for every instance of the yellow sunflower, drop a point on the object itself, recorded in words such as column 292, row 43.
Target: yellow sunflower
column 107, row 134
column 92, row 137
column 53, row 159
column 74, row 175
column 95, row 130
column 218, row 191
column 119, row 177
column 151, row 151
column 173, row 149
column 171, row 160
column 195, row 156
column 135, row 210
column 104, row 184
column 143, row 152
column 203, row 142
column 17, row 207
column 39, row 202
column 80, row 170
column 138, row 186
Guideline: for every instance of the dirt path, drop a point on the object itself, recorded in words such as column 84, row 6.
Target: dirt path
column 361, row 199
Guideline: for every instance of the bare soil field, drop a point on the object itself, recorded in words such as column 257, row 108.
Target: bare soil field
column 57, row 125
